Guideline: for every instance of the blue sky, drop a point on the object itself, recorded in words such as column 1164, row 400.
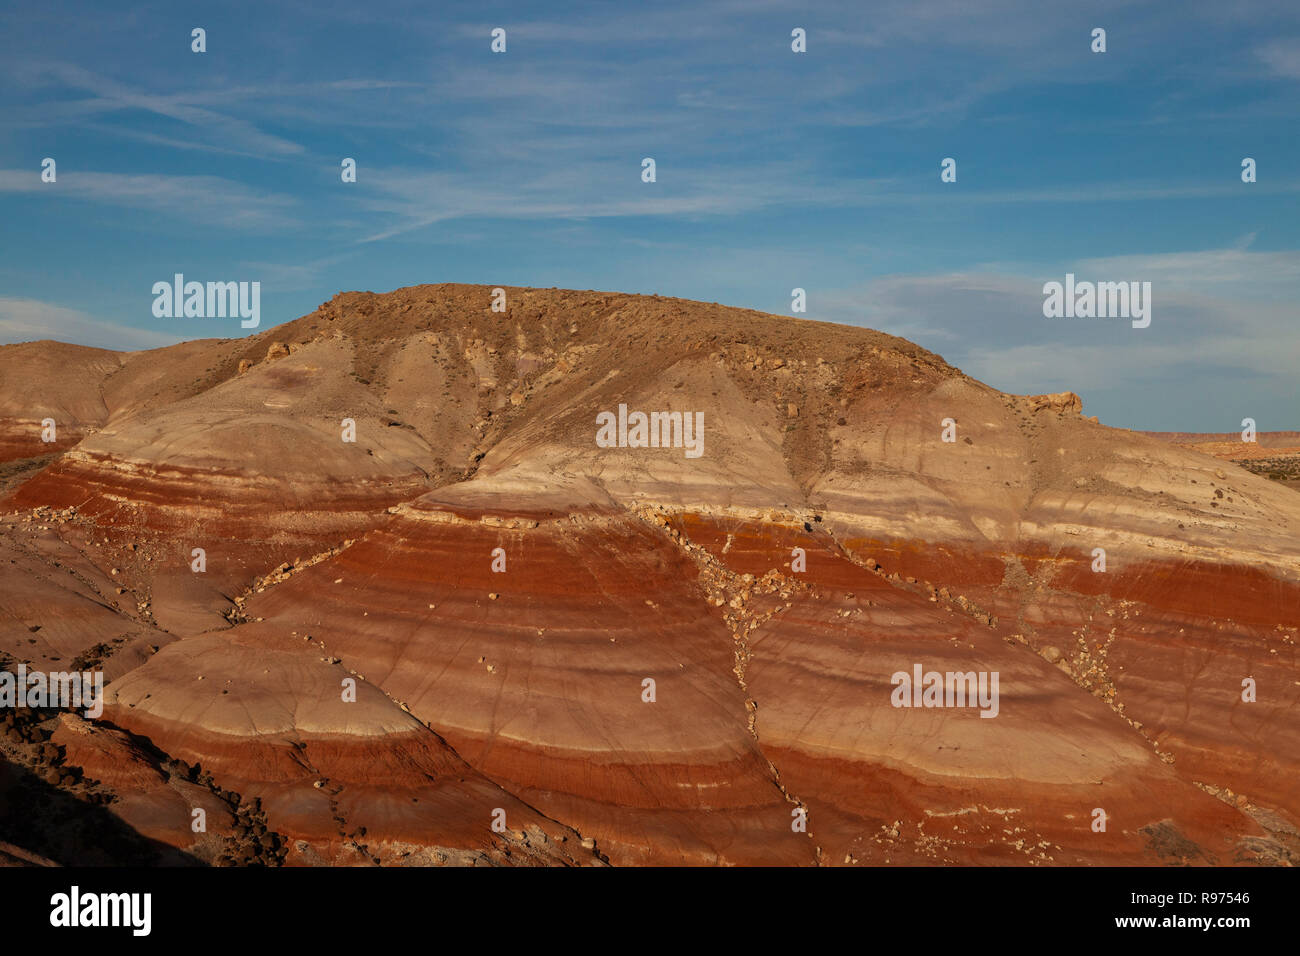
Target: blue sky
column 775, row 170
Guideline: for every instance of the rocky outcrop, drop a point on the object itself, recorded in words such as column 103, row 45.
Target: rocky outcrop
column 1057, row 402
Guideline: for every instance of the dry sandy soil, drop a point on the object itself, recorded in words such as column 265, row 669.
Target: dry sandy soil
column 1275, row 455
column 827, row 538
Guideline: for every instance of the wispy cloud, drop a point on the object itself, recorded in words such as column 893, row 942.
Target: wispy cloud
column 593, row 190
column 1221, row 315
column 110, row 96
column 293, row 277
column 113, row 108
column 28, row 320
column 1282, row 57
column 202, row 200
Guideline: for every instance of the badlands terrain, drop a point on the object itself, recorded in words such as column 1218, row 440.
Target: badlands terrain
column 500, row 588
column 1276, row 455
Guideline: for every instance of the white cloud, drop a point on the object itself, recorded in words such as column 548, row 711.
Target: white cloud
column 29, row 320
column 205, row 200
column 1223, row 311
column 109, row 96
column 1282, row 57
column 1244, row 271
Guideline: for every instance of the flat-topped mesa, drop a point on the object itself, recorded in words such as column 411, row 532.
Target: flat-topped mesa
column 432, row 380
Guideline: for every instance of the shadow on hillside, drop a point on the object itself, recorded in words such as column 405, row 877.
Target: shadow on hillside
column 42, row 819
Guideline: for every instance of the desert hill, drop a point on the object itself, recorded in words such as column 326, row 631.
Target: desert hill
column 500, row 586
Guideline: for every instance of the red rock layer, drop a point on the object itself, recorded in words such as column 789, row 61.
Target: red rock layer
column 343, row 781
column 535, row 676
